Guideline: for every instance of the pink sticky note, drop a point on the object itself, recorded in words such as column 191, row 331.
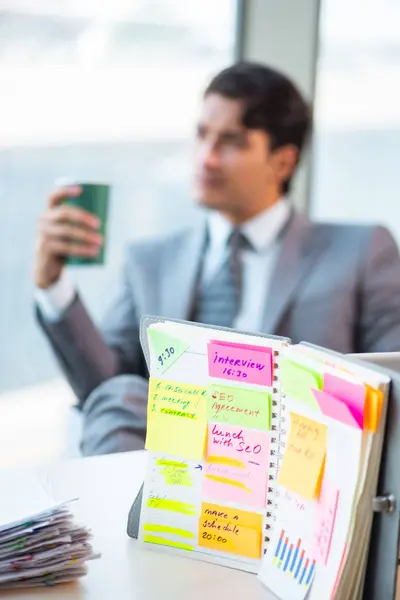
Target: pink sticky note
column 352, row 394
column 336, row 409
column 236, row 467
column 324, row 524
column 240, row 362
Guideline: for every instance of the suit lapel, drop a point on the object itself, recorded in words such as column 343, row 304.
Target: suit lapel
column 180, row 274
column 301, row 247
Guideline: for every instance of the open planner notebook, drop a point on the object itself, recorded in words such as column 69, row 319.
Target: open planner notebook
column 263, row 456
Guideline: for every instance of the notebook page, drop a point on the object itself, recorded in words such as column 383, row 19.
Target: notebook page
column 300, row 517
column 356, row 557
column 211, row 502
column 348, row 451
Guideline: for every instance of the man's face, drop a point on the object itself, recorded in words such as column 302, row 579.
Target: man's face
column 234, row 168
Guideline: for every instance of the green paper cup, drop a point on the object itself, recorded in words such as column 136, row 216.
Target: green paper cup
column 94, row 198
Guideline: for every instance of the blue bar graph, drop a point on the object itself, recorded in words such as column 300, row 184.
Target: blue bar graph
column 310, row 573
column 299, row 565
column 304, row 571
column 288, row 557
column 296, row 552
column 284, row 549
column 278, row 547
column 291, row 558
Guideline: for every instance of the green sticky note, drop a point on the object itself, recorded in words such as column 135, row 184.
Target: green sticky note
column 298, row 382
column 167, row 348
column 239, row 406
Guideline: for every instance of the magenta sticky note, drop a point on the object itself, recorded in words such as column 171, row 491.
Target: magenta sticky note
column 353, row 394
column 325, row 516
column 335, row 408
column 240, row 362
column 236, row 466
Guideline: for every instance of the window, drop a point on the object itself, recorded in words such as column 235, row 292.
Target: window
column 102, row 91
column 357, row 128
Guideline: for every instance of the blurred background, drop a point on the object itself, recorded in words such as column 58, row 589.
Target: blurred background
column 109, row 91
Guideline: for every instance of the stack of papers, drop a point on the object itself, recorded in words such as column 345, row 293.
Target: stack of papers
column 40, row 544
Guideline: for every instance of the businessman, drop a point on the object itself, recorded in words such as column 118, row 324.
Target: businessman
column 255, row 263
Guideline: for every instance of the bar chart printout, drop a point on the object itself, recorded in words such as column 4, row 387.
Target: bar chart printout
column 290, row 565
column 291, row 558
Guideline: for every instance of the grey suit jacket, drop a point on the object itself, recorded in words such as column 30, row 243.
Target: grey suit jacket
column 336, row 286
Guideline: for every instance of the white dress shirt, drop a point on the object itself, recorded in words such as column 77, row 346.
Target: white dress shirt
column 258, row 263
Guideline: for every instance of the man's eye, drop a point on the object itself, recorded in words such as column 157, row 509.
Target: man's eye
column 234, row 141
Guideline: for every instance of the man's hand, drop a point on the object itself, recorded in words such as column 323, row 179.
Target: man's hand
column 63, row 231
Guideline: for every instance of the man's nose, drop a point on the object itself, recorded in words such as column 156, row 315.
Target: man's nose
column 210, row 156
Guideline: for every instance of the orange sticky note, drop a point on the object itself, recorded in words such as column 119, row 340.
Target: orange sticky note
column 372, row 408
column 303, row 462
column 228, row 514
column 229, row 530
column 320, row 479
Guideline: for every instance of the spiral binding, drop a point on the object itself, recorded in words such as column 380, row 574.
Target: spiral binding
column 278, row 418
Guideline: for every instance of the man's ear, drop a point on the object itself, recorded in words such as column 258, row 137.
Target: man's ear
column 284, row 161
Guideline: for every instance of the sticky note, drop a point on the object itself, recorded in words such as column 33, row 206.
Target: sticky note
column 302, row 465
column 320, row 478
column 233, row 532
column 298, row 381
column 176, row 399
column 229, row 515
column 161, row 503
column 334, row 408
column 353, row 394
column 166, row 348
column 174, row 435
column 325, row 516
column 240, row 362
column 372, row 408
column 236, row 466
column 239, row 406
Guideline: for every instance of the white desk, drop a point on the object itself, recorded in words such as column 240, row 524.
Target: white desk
column 106, row 487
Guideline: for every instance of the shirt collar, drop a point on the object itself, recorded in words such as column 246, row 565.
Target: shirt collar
column 261, row 230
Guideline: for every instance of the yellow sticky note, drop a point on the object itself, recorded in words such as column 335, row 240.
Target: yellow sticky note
column 233, row 531
column 372, row 408
column 176, row 399
column 303, row 462
column 178, row 436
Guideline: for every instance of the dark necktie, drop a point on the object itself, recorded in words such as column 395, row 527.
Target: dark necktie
column 218, row 301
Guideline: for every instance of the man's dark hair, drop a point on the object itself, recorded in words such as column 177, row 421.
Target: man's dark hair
column 271, row 102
